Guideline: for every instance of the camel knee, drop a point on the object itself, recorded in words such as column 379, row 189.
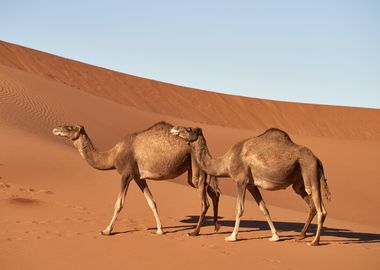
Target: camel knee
column 118, row 206
column 152, row 204
column 205, row 206
column 312, row 211
column 323, row 215
column 239, row 211
column 263, row 208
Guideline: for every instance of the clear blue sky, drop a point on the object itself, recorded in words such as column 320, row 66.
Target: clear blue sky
column 325, row 52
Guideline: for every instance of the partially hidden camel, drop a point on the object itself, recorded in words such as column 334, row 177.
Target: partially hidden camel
column 150, row 154
column 271, row 161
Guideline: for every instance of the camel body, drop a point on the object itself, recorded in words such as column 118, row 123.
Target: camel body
column 156, row 154
column 270, row 161
column 152, row 154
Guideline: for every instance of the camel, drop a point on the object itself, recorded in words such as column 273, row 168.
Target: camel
column 270, row 161
column 150, row 154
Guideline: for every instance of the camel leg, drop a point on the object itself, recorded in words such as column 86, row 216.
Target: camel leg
column 312, row 213
column 260, row 202
column 300, row 190
column 321, row 214
column 241, row 188
column 152, row 204
column 215, row 202
column 205, row 206
column 310, row 175
column 125, row 180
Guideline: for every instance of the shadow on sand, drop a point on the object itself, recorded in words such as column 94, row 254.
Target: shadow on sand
column 347, row 236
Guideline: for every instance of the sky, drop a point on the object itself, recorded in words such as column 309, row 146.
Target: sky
column 324, row 52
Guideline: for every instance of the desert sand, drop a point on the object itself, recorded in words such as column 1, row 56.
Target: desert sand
column 53, row 204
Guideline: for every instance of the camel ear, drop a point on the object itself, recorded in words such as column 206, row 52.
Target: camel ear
column 81, row 128
column 198, row 131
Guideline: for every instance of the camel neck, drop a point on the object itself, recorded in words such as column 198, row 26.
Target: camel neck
column 99, row 160
column 212, row 166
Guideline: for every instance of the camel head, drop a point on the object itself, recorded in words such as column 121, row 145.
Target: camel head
column 189, row 134
column 69, row 132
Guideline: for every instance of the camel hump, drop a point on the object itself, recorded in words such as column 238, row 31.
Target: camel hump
column 160, row 125
column 276, row 134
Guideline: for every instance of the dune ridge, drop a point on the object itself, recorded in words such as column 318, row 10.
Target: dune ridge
column 196, row 105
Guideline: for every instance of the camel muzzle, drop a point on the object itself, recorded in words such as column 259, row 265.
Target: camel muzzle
column 174, row 131
column 56, row 131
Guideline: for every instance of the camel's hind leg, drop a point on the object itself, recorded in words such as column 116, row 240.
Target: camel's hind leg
column 321, row 213
column 241, row 189
column 215, row 202
column 152, row 204
column 299, row 188
column 260, row 202
column 310, row 176
column 125, row 180
column 205, row 204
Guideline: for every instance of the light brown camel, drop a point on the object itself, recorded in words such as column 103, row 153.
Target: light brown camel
column 150, row 154
column 270, row 161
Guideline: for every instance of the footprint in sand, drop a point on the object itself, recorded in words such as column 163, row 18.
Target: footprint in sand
column 43, row 191
column 4, row 185
column 23, row 201
column 273, row 262
column 209, row 246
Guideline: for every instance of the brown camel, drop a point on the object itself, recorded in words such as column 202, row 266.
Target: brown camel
column 151, row 154
column 270, row 161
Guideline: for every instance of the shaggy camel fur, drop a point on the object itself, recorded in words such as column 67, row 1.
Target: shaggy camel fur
column 270, row 161
column 150, row 154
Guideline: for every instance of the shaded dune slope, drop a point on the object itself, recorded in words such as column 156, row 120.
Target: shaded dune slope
column 199, row 106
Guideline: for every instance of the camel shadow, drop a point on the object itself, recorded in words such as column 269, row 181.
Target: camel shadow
column 167, row 229
column 347, row 236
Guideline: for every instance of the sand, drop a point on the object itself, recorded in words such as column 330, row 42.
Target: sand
column 53, row 204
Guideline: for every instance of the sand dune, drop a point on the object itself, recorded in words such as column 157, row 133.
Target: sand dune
column 53, row 204
column 195, row 105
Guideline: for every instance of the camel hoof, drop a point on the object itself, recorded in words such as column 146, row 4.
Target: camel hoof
column 159, row 232
column 274, row 238
column 217, row 227
column 313, row 244
column 230, row 238
column 300, row 237
column 193, row 234
column 105, row 233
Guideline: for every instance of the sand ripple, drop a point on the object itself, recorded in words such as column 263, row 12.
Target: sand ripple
column 22, row 107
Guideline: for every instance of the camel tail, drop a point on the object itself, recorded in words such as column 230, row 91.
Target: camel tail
column 214, row 184
column 323, row 181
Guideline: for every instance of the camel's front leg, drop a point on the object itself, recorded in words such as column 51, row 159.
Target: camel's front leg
column 260, row 202
column 241, row 188
column 125, row 180
column 205, row 204
column 215, row 202
column 152, row 204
